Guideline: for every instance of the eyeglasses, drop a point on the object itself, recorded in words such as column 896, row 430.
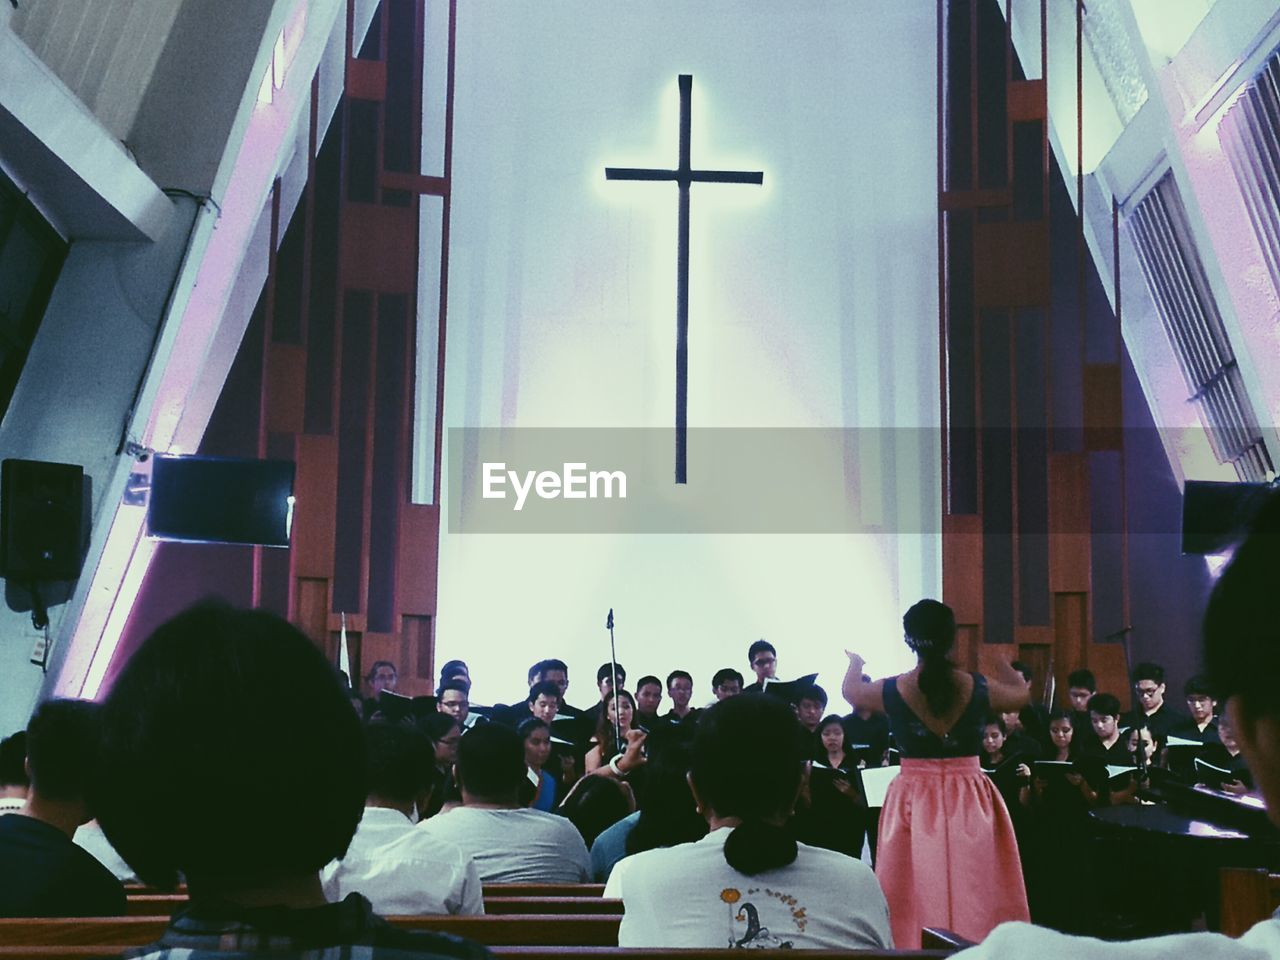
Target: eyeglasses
column 764, row 661
column 1147, row 691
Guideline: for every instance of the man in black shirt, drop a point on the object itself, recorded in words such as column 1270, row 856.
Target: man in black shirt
column 1148, row 684
column 45, row 874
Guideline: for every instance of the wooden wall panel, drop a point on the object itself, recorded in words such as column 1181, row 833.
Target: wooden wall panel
column 285, row 387
column 317, row 497
column 1103, row 419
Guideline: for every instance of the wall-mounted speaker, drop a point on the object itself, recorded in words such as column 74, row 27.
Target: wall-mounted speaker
column 1216, row 515
column 41, row 520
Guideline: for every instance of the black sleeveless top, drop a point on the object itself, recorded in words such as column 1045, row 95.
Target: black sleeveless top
column 917, row 742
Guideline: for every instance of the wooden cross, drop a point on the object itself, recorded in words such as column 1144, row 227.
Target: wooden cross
column 683, row 175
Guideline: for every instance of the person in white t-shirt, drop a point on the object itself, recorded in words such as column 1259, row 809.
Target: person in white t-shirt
column 747, row 883
column 400, row 870
column 509, row 843
column 14, row 781
column 1241, row 660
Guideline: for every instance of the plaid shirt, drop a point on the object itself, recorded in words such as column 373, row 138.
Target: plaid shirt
column 339, row 931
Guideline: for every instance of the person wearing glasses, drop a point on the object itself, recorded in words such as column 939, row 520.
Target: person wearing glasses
column 1160, row 717
column 764, row 662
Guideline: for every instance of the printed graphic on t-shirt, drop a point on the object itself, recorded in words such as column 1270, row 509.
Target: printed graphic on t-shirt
column 746, row 931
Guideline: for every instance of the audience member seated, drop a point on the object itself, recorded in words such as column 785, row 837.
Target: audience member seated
column 42, row 872
column 669, row 815
column 541, row 787
column 200, row 709
column 445, row 733
column 1242, row 660
column 747, row 883
column 398, row 869
column 90, row 837
column 727, row 682
column 509, row 843
column 596, row 803
column 14, row 781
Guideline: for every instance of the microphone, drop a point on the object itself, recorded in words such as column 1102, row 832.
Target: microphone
column 1118, row 634
column 608, row 622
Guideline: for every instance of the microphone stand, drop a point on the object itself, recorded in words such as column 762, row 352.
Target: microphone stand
column 613, row 663
column 1139, row 755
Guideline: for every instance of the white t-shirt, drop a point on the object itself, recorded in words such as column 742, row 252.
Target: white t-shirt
column 1260, row 942
column 403, row 871
column 11, row 804
column 688, row 896
column 514, row 846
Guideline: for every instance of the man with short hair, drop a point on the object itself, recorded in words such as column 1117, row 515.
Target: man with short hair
column 727, row 682
column 544, row 701
column 44, row 874
column 400, row 870
column 648, row 699
column 14, row 782
column 811, row 704
column 1202, row 724
column 1160, row 717
column 764, row 662
column 381, row 676
column 509, row 843
column 200, row 706
column 454, row 698
column 1081, row 685
column 1104, row 717
column 680, row 689
column 604, row 682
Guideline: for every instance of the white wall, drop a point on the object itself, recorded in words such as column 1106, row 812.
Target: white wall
column 813, row 303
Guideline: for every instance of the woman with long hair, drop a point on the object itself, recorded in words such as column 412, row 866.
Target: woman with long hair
column 748, row 883
column 947, row 852
column 535, row 733
column 619, row 707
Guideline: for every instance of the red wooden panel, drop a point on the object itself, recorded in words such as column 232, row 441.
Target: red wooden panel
column 962, row 566
column 1011, row 264
column 1069, row 538
column 366, row 79
column 1070, row 629
column 1103, row 418
column 311, row 608
column 416, row 565
column 316, row 504
column 379, row 248
column 419, row 646
column 1106, row 660
column 1027, row 101
column 968, row 640
column 285, row 387
column 972, row 199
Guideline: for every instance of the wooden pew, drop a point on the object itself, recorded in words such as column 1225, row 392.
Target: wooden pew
column 585, row 930
column 92, row 952
column 543, row 890
column 167, row 904
column 1248, row 896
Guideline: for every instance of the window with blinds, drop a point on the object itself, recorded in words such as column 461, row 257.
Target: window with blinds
column 1176, row 278
column 1250, row 137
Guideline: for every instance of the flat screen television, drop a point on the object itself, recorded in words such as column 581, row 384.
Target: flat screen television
column 1215, row 515
column 221, row 500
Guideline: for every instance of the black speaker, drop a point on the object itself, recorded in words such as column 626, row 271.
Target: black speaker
column 41, row 512
column 1216, row 515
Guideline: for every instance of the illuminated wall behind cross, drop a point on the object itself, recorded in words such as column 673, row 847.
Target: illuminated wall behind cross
column 813, row 303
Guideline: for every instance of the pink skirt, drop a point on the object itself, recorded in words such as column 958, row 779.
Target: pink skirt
column 947, row 855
